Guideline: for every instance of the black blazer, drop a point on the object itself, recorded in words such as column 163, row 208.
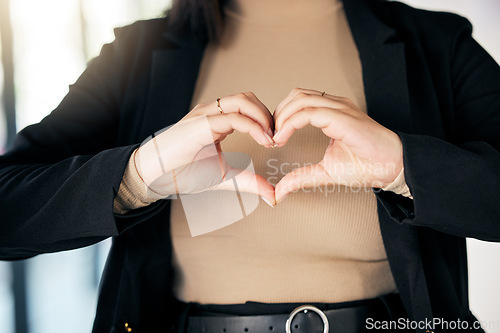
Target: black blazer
column 424, row 77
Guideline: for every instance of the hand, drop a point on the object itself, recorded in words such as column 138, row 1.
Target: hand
column 361, row 153
column 187, row 157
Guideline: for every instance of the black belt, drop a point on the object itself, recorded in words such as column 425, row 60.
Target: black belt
column 304, row 319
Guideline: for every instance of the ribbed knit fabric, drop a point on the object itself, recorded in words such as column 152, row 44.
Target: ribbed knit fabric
column 321, row 245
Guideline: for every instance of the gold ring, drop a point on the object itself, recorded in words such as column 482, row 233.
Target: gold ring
column 218, row 105
column 323, row 93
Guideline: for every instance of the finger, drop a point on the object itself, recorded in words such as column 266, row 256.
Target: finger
column 249, row 105
column 291, row 96
column 305, row 177
column 333, row 123
column 303, row 100
column 268, row 114
column 244, row 103
column 223, row 124
column 247, row 182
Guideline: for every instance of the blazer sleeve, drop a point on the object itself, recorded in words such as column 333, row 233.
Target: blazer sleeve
column 456, row 185
column 59, row 180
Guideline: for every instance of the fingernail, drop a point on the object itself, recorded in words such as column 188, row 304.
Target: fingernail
column 267, row 202
column 271, row 141
column 270, row 132
column 274, row 141
column 276, row 135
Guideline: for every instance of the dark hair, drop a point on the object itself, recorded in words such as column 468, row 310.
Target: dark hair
column 203, row 18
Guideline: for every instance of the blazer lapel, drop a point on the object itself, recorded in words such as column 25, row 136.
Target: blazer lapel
column 384, row 75
column 173, row 77
column 384, row 67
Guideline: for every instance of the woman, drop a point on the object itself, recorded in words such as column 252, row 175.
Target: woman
column 403, row 100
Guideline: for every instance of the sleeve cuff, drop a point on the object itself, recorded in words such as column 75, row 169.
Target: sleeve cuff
column 399, row 186
column 133, row 192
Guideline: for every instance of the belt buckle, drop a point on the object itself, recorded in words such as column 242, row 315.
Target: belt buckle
column 305, row 309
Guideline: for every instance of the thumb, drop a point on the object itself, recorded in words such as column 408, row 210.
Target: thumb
column 305, row 177
column 248, row 182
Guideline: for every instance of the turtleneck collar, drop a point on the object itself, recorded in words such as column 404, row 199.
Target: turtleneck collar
column 279, row 11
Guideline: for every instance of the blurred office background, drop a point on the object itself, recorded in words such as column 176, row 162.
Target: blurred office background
column 45, row 45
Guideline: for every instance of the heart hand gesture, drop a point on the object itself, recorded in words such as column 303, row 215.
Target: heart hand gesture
column 187, row 157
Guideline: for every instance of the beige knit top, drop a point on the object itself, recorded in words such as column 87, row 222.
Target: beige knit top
column 317, row 245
